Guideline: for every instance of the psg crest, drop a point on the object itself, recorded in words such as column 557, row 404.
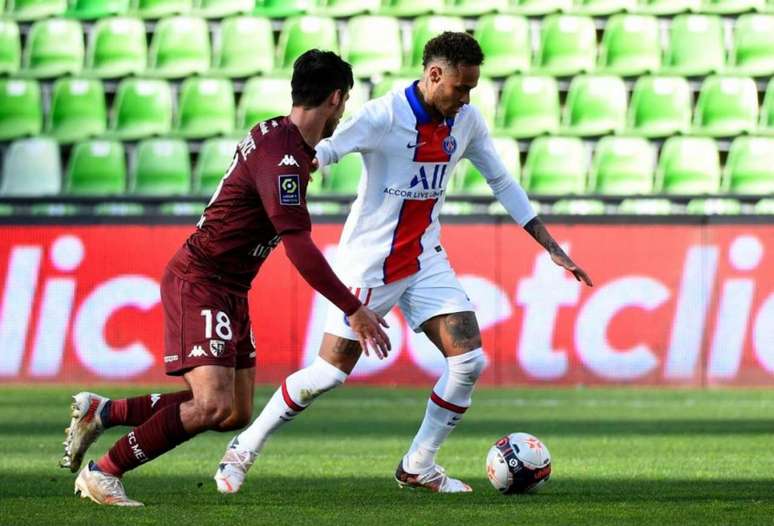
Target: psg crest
column 449, row 145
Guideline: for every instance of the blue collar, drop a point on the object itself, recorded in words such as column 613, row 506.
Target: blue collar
column 421, row 114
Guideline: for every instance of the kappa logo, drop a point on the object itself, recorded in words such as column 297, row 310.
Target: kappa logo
column 217, row 347
column 197, row 352
column 288, row 160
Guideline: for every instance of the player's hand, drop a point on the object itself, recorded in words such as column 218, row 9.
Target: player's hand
column 315, row 164
column 563, row 260
column 368, row 327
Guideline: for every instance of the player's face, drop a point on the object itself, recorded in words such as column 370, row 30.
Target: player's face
column 338, row 111
column 452, row 87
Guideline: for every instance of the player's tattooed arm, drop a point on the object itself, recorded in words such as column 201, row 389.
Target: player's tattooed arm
column 540, row 233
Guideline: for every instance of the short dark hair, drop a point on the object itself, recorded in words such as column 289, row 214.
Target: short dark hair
column 317, row 74
column 455, row 48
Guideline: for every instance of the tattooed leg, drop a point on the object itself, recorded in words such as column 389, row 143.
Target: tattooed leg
column 454, row 334
column 340, row 352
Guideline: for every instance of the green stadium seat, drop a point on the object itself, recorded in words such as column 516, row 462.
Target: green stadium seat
column 262, row 99
column 727, row 106
column 390, row 83
column 222, row 8
column 579, row 207
column 484, row 97
column 346, row 8
column 539, row 7
column 667, row 7
column 358, row 96
column 206, row 108
column 731, row 7
column 95, row 9
column 21, row 110
column 505, row 41
column 31, row 167
column 214, row 159
column 344, row 176
column 232, row 58
column 646, row 206
column 372, row 56
column 424, row 29
column 27, row 10
column 630, row 45
column 282, row 8
column 529, row 106
column 153, row 9
column 622, row 166
column 660, row 106
column 142, row 108
column 10, row 47
column 688, row 165
column 764, row 206
column 750, row 166
column 473, row 8
column 714, row 206
column 54, row 48
column 753, row 50
column 180, row 47
column 161, row 167
column 303, row 33
column 96, row 168
column 77, row 110
column 315, row 187
column 471, row 182
column 6, row 210
column 410, row 8
column 603, row 7
column 767, row 111
column 117, row 48
column 596, row 105
column 696, row 45
column 568, row 45
column 556, row 166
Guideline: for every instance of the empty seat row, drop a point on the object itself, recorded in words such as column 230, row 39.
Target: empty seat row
column 144, row 108
column 554, row 166
column 93, row 9
column 529, row 106
column 181, row 46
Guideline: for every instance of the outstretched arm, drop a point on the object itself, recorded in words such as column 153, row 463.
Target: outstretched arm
column 537, row 230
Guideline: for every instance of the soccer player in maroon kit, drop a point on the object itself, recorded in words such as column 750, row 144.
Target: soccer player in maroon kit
column 260, row 201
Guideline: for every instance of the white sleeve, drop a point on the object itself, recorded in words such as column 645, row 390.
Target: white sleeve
column 360, row 133
column 481, row 152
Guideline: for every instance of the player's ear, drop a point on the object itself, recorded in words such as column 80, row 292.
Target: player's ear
column 435, row 72
column 336, row 98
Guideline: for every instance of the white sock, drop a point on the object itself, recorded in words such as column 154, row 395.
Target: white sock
column 293, row 396
column 448, row 402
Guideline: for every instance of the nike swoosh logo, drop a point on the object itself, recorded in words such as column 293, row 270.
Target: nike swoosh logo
column 417, row 145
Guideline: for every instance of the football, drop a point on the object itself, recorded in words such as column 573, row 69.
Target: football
column 518, row 463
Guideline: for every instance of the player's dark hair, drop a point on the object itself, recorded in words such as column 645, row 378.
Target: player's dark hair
column 455, row 48
column 317, row 74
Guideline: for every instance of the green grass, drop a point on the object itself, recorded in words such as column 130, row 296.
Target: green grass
column 619, row 457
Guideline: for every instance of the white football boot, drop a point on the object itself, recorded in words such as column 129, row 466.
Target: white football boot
column 85, row 427
column 435, row 479
column 102, row 488
column 233, row 467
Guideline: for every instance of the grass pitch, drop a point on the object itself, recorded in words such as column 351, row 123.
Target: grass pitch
column 619, row 457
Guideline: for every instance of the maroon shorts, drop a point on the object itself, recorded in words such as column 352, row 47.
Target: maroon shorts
column 204, row 325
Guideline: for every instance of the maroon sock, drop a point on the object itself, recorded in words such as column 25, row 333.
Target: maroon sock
column 135, row 411
column 162, row 432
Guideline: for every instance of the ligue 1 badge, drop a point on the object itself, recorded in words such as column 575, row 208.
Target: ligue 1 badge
column 449, row 145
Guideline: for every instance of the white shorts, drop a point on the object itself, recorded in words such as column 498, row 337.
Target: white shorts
column 432, row 291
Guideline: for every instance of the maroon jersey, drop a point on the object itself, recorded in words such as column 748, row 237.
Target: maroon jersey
column 262, row 195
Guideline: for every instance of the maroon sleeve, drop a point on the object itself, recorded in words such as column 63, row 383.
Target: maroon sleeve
column 313, row 267
column 283, row 194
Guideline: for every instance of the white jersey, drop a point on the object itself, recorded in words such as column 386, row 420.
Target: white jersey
column 393, row 226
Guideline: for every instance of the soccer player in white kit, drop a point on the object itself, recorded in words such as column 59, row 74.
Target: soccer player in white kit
column 390, row 253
